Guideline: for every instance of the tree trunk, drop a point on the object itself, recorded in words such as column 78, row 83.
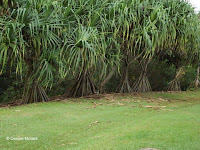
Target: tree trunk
column 124, row 86
column 174, row 85
column 197, row 78
column 142, row 83
column 34, row 93
column 83, row 85
column 109, row 76
column 195, row 83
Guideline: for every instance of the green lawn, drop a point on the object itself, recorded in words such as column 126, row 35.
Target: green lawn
column 124, row 123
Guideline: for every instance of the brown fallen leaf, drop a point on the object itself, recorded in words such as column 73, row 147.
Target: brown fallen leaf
column 161, row 99
column 154, row 106
column 125, row 100
column 109, row 97
column 93, row 123
column 120, row 104
column 94, row 106
column 88, row 107
column 18, row 110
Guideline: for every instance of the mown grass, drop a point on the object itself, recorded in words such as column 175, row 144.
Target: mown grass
column 124, row 123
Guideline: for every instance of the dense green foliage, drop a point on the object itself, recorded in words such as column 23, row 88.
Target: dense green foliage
column 83, row 47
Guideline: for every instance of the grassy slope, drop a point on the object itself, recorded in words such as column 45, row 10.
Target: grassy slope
column 64, row 125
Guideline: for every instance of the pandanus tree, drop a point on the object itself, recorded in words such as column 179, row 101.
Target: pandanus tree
column 84, row 54
column 197, row 82
column 195, row 63
column 86, row 46
column 196, row 60
column 30, row 38
column 137, row 26
column 122, row 23
column 153, row 24
column 182, row 42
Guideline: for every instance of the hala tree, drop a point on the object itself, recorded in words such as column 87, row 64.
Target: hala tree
column 182, row 42
column 30, row 38
column 137, row 26
column 84, row 54
column 86, row 46
column 153, row 25
column 196, row 60
column 196, row 82
column 122, row 23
